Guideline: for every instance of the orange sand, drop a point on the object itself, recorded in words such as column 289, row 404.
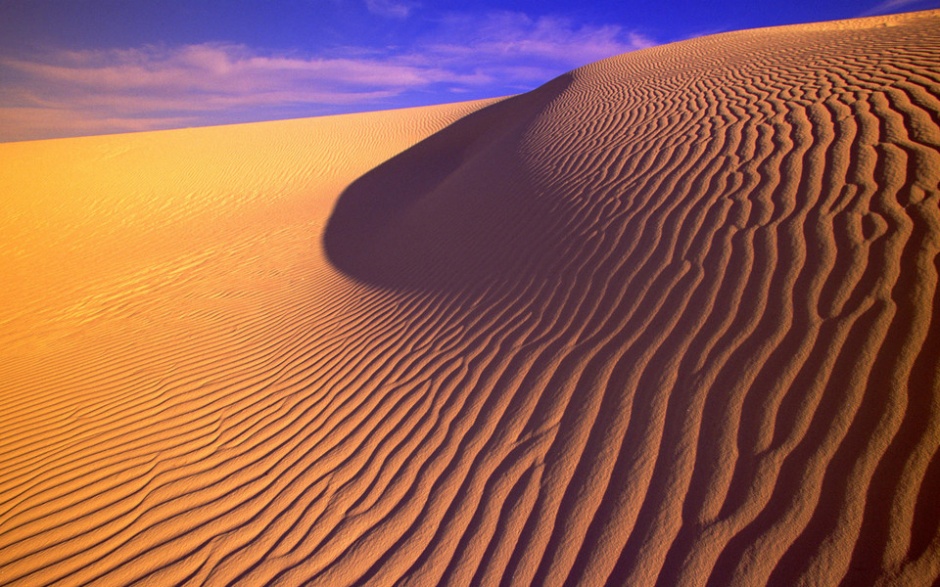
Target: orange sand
column 669, row 319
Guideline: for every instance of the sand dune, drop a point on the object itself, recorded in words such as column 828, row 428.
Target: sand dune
column 668, row 319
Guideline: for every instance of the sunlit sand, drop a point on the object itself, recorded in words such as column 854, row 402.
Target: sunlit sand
column 668, row 319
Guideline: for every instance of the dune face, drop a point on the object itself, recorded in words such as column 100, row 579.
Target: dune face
column 669, row 319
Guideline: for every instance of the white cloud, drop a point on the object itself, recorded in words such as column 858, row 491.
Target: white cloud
column 389, row 8
column 140, row 89
column 515, row 36
column 891, row 6
column 88, row 92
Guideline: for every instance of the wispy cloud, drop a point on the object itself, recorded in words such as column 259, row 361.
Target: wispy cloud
column 139, row 89
column 389, row 8
column 891, row 6
column 513, row 36
column 68, row 93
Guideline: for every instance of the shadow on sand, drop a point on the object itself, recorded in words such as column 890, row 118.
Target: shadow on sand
column 442, row 213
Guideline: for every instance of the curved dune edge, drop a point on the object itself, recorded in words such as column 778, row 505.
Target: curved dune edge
column 669, row 319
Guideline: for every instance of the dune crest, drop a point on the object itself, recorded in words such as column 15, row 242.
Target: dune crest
column 669, row 319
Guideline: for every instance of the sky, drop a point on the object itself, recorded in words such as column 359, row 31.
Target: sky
column 85, row 67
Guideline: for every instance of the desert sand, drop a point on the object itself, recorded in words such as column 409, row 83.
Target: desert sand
column 670, row 319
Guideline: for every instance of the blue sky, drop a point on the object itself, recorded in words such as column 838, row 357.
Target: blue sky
column 78, row 67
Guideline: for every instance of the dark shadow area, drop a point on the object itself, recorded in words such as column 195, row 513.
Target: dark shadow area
column 444, row 213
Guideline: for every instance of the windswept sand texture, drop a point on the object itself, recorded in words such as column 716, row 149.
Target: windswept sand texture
column 669, row 319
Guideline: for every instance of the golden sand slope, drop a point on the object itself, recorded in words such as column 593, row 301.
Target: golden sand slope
column 670, row 319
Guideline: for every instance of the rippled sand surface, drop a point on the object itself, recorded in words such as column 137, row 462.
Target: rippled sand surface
column 671, row 318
